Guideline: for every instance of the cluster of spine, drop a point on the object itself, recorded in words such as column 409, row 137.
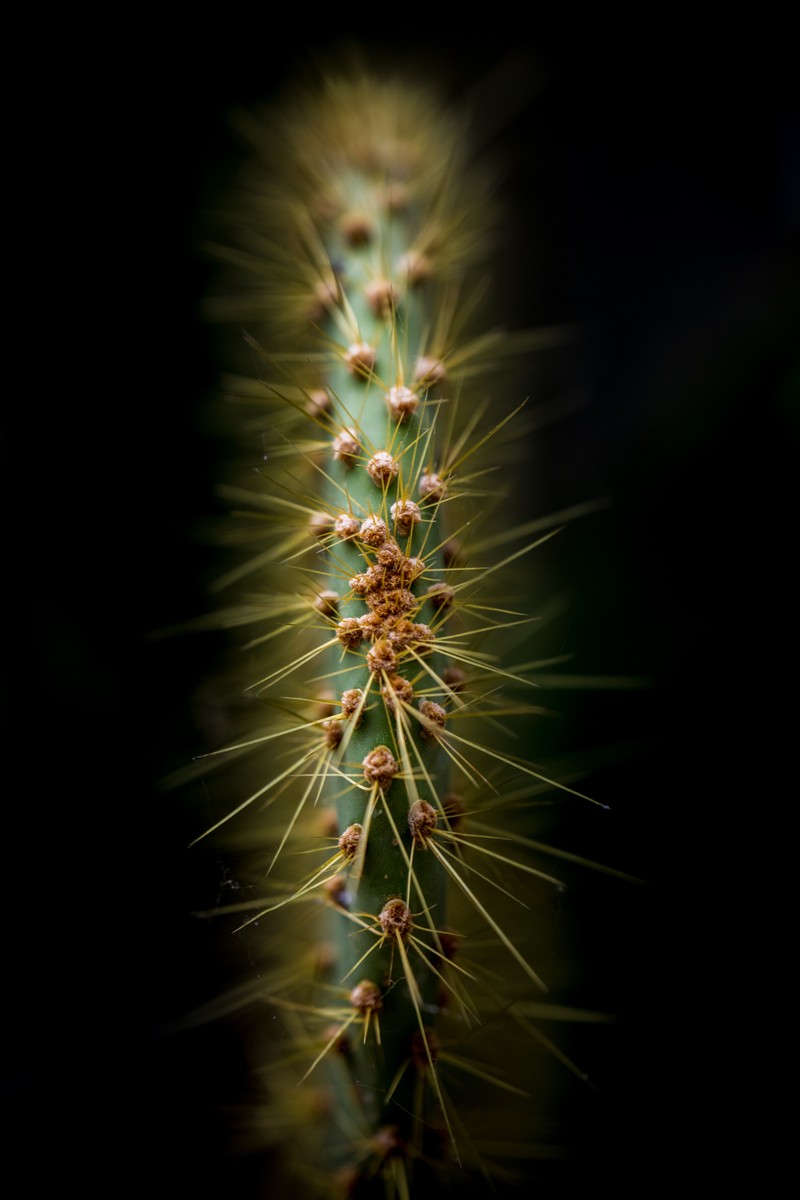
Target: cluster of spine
column 367, row 243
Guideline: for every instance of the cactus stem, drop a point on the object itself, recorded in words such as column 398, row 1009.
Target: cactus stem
column 375, row 232
column 416, row 1000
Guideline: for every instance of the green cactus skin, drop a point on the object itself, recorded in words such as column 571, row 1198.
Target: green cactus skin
column 362, row 242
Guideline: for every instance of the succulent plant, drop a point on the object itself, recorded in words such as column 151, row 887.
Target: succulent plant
column 384, row 818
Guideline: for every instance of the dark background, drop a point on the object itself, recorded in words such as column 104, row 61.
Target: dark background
column 660, row 186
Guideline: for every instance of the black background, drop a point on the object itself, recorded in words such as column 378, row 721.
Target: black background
column 659, row 174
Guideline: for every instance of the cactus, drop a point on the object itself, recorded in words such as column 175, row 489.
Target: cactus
column 381, row 814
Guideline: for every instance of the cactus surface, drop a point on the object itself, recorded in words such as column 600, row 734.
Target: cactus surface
column 400, row 906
